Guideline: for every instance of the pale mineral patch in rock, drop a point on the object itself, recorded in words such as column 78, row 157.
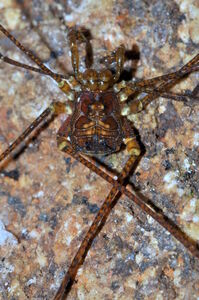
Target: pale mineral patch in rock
column 132, row 256
column 6, row 237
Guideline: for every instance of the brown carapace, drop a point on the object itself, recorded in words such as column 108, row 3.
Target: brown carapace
column 92, row 130
column 98, row 125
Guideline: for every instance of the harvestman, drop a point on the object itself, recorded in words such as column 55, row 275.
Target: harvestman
column 98, row 126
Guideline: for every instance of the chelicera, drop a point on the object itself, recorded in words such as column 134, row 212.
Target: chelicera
column 96, row 102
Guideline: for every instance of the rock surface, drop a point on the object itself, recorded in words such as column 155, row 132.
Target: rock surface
column 48, row 200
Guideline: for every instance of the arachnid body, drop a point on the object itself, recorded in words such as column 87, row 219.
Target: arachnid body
column 98, row 124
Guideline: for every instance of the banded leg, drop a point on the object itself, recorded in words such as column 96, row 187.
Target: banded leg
column 33, row 57
column 126, row 89
column 141, row 104
column 132, row 148
column 191, row 66
column 187, row 98
column 67, row 85
column 27, row 67
column 74, row 36
column 97, row 224
column 55, row 108
column 144, row 204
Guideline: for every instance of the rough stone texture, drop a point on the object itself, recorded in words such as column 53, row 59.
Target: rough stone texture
column 48, row 200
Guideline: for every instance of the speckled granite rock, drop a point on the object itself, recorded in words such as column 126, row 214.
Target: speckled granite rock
column 48, row 200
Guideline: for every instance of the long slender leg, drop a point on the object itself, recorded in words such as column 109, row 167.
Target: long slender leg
column 102, row 216
column 33, row 57
column 188, row 99
column 144, row 204
column 177, row 97
column 156, row 90
column 126, row 89
column 66, row 85
column 24, row 6
column 92, row 232
column 160, row 91
column 191, row 66
column 130, row 88
column 186, row 69
column 141, row 86
column 55, row 108
column 27, row 67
